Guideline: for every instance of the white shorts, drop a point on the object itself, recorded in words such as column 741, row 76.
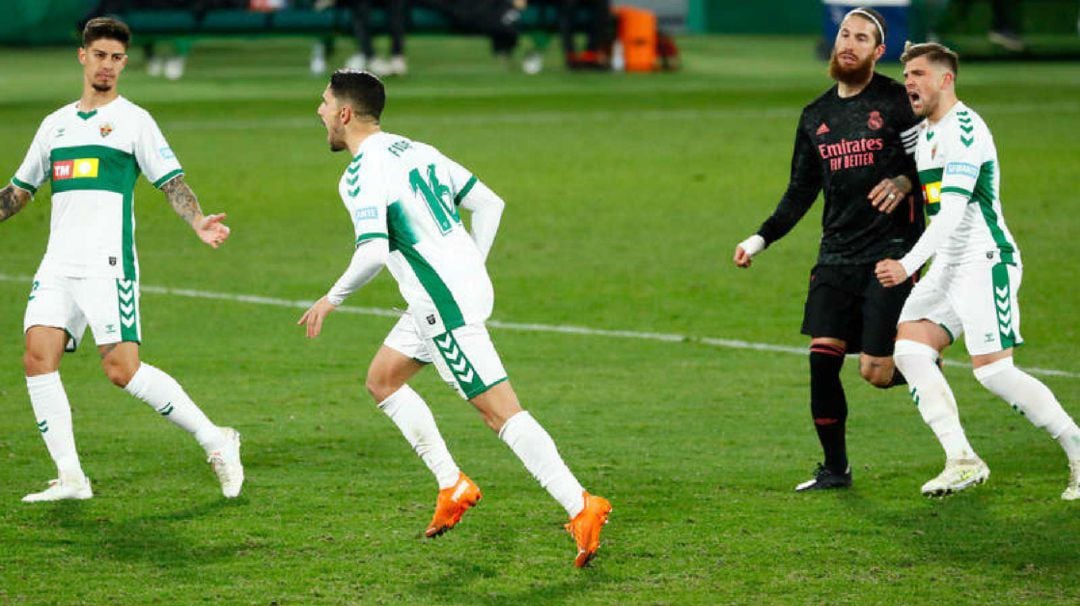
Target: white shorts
column 976, row 299
column 108, row 305
column 465, row 357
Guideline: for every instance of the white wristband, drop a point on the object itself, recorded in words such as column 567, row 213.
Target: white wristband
column 753, row 245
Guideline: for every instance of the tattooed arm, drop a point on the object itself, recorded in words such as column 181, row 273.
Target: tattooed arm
column 12, row 200
column 210, row 229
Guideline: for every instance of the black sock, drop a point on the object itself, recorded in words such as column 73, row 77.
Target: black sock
column 828, row 404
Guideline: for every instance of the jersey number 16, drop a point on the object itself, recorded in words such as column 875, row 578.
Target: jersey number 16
column 439, row 198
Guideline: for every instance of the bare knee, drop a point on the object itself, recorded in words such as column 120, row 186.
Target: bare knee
column 877, row 371
column 119, row 371
column 39, row 363
column 381, row 385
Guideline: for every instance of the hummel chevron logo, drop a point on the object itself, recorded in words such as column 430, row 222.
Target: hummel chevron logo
column 967, row 129
column 125, row 290
column 352, row 180
column 929, row 135
column 1001, row 292
column 354, row 192
column 43, row 426
column 967, row 141
column 455, row 359
column 460, row 367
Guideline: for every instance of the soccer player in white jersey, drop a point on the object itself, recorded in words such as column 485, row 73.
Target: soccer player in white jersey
column 403, row 198
column 971, row 288
column 92, row 151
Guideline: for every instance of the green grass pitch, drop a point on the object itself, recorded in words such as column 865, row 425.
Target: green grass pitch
column 626, row 195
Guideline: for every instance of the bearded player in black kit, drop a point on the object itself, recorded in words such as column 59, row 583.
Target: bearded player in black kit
column 854, row 143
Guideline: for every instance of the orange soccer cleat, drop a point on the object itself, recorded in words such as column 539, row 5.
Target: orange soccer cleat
column 586, row 527
column 452, row 504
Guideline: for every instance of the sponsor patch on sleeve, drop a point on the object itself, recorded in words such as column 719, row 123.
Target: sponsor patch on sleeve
column 962, row 169
column 166, row 153
column 367, row 212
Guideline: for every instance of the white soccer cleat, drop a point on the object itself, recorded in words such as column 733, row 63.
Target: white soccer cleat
column 398, row 66
column 226, row 463
column 958, row 475
column 62, row 489
column 1072, row 491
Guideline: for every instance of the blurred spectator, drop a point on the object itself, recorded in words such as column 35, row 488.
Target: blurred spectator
column 365, row 57
column 1004, row 25
column 599, row 33
column 497, row 19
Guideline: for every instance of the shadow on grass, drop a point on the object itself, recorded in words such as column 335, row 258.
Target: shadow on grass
column 975, row 529
column 458, row 587
column 156, row 539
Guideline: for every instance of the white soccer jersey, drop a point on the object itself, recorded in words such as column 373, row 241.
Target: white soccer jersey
column 93, row 159
column 957, row 156
column 408, row 192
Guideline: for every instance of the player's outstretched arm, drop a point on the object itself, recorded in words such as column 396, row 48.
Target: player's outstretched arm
column 209, row 228
column 12, row 200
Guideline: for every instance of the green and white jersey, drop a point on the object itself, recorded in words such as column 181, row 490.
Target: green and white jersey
column 408, row 192
column 957, row 156
column 92, row 160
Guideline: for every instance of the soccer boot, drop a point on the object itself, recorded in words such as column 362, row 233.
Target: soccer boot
column 62, row 489
column 957, row 475
column 586, row 526
column 1072, row 491
column 825, row 478
column 226, row 463
column 452, row 503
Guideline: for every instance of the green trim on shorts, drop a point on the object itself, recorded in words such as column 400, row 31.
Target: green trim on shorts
column 488, row 388
column 128, row 311
column 465, row 374
column 952, row 339
column 1003, row 305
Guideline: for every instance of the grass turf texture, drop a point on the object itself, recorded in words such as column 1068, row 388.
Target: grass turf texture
column 626, row 195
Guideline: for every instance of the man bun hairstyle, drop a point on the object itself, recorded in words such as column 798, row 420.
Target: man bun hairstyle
column 363, row 91
column 935, row 53
column 106, row 28
column 874, row 17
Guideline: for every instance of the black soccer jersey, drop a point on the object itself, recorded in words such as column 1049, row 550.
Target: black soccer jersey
column 846, row 147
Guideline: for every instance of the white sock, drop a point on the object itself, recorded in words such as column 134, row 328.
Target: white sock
column 53, row 412
column 164, row 395
column 1032, row 399
column 933, row 397
column 412, row 416
column 537, row 451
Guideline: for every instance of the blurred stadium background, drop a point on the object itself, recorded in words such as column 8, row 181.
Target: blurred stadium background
column 673, row 383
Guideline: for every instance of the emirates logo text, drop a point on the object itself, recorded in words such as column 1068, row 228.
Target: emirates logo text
column 850, row 154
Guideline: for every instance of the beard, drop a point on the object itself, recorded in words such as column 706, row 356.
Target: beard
column 857, row 74
column 336, row 138
column 101, row 88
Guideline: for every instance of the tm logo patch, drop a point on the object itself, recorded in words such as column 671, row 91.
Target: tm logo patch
column 962, row 169
column 166, row 153
column 367, row 212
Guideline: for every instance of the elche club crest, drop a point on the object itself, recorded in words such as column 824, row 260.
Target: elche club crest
column 875, row 121
column 105, row 129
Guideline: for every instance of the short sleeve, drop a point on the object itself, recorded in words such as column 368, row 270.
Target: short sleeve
column 34, row 170
column 365, row 195
column 154, row 155
column 962, row 166
column 461, row 180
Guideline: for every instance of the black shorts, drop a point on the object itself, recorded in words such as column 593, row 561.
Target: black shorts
column 847, row 302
